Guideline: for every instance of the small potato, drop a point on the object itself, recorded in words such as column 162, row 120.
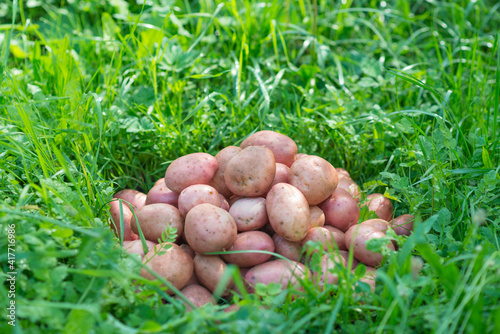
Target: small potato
column 134, row 197
column 224, row 204
column 381, row 205
column 223, row 158
column 342, row 173
column 356, row 238
column 345, row 255
column 289, row 249
column 197, row 194
column 197, row 295
column 328, row 264
column 188, row 249
column 209, row 228
column 252, row 240
column 160, row 193
column 403, row 225
column 250, row 172
column 278, row 271
column 350, row 186
column 341, row 210
column 282, row 174
column 315, row 177
column 209, row 270
column 379, row 224
column 194, row 168
column 154, row 218
column 283, row 147
column 249, row 213
column 114, row 210
column 170, row 262
column 288, row 212
column 329, row 237
column 135, row 247
column 317, row 216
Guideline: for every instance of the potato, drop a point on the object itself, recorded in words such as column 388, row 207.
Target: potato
column 278, row 271
column 403, row 225
column 356, row 238
column 317, row 216
column 114, row 210
column 341, row 210
column 209, row 228
column 135, row 247
column 250, row 172
column 209, row 270
column 223, row 158
column 342, row 173
column 134, row 197
column 197, row 194
column 160, row 181
column 289, row 249
column 283, row 147
column 233, row 199
column 252, row 240
column 194, row 168
column 315, row 177
column 301, row 155
column 379, row 224
column 345, row 255
column 288, row 212
column 224, row 204
column 170, row 262
column 369, row 277
column 350, row 186
column 381, row 205
column 197, row 295
column 154, row 218
column 187, row 249
column 160, row 193
column 282, row 174
column 329, row 237
column 328, row 264
column 249, row 213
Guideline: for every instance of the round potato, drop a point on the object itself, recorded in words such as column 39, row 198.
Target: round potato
column 317, row 216
column 250, row 172
column 381, row 205
column 356, row 238
column 197, row 194
column 209, row 270
column 283, row 147
column 288, row 212
column 114, row 210
column 135, row 247
column 403, row 225
column 315, row 177
column 197, row 295
column 194, row 168
column 379, row 224
column 289, row 249
column 209, row 228
column 341, row 210
column 246, row 241
column 223, row 158
column 329, row 237
column 154, row 218
column 282, row 272
column 160, row 193
column 134, row 197
column 249, row 213
column 170, row 262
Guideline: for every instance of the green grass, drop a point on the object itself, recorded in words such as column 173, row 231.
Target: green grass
column 100, row 95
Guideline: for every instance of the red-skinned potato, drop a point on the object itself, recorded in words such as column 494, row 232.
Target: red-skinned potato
column 194, row 168
column 283, row 147
column 282, row 174
column 195, row 195
column 315, row 177
column 224, row 204
column 329, row 237
column 170, row 262
column 114, row 210
column 317, row 216
column 209, row 228
column 356, row 238
column 250, row 172
column 345, row 255
column 403, row 225
column 252, row 240
column 350, row 186
column 160, row 193
column 342, row 173
column 134, row 197
column 154, row 218
column 328, row 264
column 341, row 210
column 197, row 295
column 135, row 247
column 223, row 158
column 188, row 250
column 278, row 271
column 301, row 155
column 377, row 223
column 381, row 205
column 209, row 270
column 288, row 212
column 289, row 249
column 249, row 213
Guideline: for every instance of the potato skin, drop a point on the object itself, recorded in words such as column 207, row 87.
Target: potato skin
column 341, row 210
column 283, row 147
column 114, row 210
column 160, row 193
column 134, row 197
column 194, row 168
column 249, row 213
column 329, row 237
column 197, row 194
column 154, row 218
column 277, row 271
column 350, row 186
column 317, row 216
column 252, row 240
column 174, row 265
column 209, row 270
column 223, row 158
column 288, row 212
column 250, row 172
column 328, row 263
column 403, row 225
column 361, row 234
column 315, row 177
column 198, row 295
column 135, row 247
column 209, row 228
column 289, row 249
column 381, row 205
column 379, row 224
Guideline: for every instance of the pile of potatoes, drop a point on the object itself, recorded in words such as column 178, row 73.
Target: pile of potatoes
column 261, row 196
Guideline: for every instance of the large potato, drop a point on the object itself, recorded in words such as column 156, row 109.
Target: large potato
column 356, row 238
column 329, row 237
column 315, row 177
column 246, row 241
column 278, row 271
column 195, row 168
column 403, row 225
column 170, row 262
column 283, row 147
column 288, row 212
column 197, row 295
column 381, row 205
column 289, row 249
column 154, row 218
column 134, row 197
column 223, row 158
column 114, row 210
column 197, row 194
column 209, row 228
column 250, row 172
column 135, row 247
column 209, row 270
column 160, row 193
column 341, row 210
column 249, row 213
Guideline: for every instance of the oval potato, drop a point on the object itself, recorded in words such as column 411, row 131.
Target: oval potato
column 197, row 295
column 283, row 147
column 381, row 205
column 403, row 225
column 114, row 210
column 246, row 241
column 195, row 195
column 160, row 193
column 249, row 213
column 278, row 271
column 317, row 216
column 223, row 157
column 341, row 210
column 209, row 270
column 194, row 168
column 356, row 238
column 134, row 197
column 154, row 218
column 289, row 249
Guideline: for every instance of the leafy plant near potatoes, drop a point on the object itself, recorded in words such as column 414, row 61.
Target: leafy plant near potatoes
column 95, row 97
